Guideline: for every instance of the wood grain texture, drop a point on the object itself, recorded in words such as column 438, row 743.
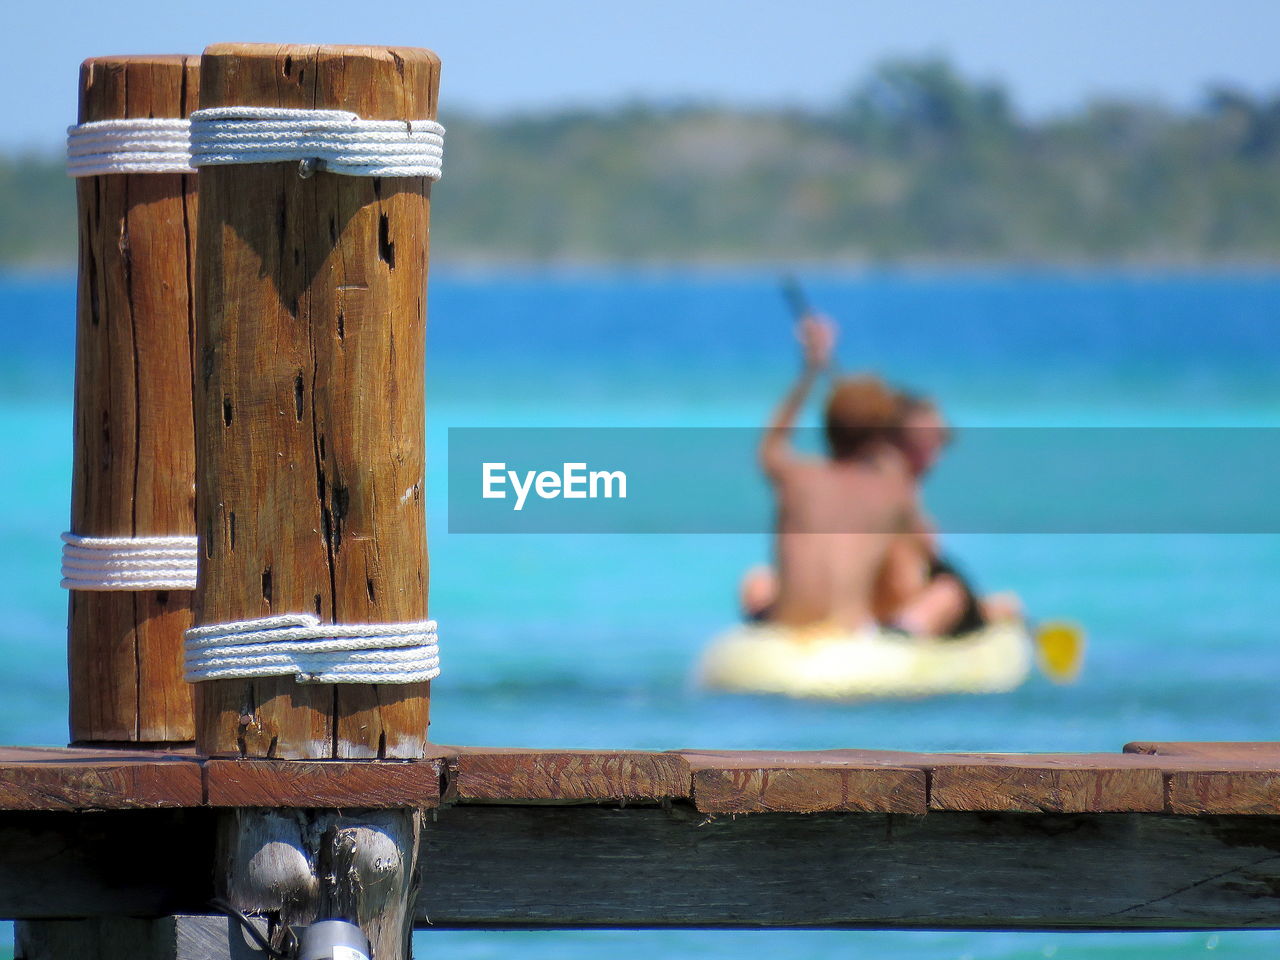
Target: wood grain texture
column 1218, row 777
column 1244, row 754
column 214, row 938
column 310, row 409
column 1219, row 791
column 1087, row 783
column 323, row 783
column 803, row 783
column 33, row 778
column 134, row 442
column 484, row 774
column 303, row 866
column 490, row 866
column 648, row 867
column 51, row 779
column 1062, row 783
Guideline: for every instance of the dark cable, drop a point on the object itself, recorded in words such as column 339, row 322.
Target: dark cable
column 254, row 933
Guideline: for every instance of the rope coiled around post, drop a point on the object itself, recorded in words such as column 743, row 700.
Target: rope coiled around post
column 336, row 141
column 299, row 645
column 136, row 145
column 128, row 563
column 332, row 140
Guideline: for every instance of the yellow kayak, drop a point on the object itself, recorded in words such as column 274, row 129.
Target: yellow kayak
column 825, row 662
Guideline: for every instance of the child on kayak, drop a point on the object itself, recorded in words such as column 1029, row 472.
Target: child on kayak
column 918, row 591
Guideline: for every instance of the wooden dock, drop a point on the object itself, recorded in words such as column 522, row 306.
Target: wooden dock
column 1161, row 836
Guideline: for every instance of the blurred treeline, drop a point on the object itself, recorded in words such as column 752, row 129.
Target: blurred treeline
column 916, row 163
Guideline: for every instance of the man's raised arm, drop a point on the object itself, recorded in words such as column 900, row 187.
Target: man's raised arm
column 817, row 336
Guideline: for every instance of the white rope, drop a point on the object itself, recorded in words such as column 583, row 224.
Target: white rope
column 141, row 145
column 332, row 140
column 128, row 563
column 299, row 645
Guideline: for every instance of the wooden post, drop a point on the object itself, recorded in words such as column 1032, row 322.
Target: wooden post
column 310, row 409
column 310, row 446
column 302, row 866
column 134, row 468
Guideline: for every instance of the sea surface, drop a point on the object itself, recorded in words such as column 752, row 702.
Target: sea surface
column 589, row 640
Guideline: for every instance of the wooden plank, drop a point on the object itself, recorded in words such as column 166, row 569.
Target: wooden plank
column 214, row 938
column 130, row 938
column 1217, row 777
column 95, row 938
column 649, row 867
column 489, row 866
column 1060, row 783
column 134, row 441
column 88, row 754
column 1215, row 792
column 1086, row 783
column 488, row 774
column 746, row 782
column 53, row 779
column 33, row 778
column 1231, row 754
column 310, row 409
column 323, row 783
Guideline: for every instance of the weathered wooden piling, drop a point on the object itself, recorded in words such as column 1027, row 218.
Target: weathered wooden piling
column 310, row 441
column 309, row 400
column 301, row 866
column 134, row 467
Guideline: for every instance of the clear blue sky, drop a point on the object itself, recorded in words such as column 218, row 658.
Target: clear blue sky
column 516, row 55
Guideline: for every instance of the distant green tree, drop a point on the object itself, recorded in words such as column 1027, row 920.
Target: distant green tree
column 1252, row 124
column 910, row 101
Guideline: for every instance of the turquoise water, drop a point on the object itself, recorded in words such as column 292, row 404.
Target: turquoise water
column 560, row 640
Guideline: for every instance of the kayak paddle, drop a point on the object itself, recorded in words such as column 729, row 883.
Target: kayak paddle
column 1060, row 647
column 795, row 297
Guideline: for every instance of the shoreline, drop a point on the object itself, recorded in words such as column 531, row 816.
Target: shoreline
column 921, row 268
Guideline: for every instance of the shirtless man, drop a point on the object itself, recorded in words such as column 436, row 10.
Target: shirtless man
column 836, row 516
